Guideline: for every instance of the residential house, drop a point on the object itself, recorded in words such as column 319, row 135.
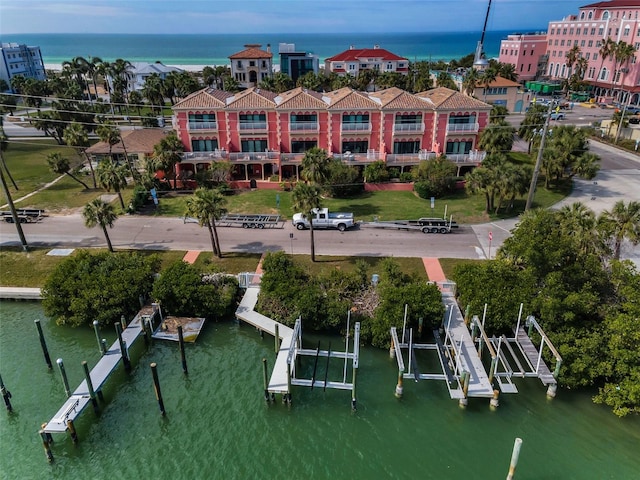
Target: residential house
column 20, row 59
column 265, row 134
column 355, row 60
column 143, row 70
column 507, row 93
column 252, row 65
column 296, row 64
column 136, row 145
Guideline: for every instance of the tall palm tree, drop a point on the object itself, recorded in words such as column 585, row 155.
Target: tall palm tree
column 113, row 177
column 497, row 137
column 572, row 57
column 305, row 198
column 109, row 133
column 579, row 221
column 100, row 213
column 76, row 136
column 622, row 53
column 153, row 92
column 622, row 221
column 487, row 77
column 7, row 194
column 470, row 82
column 315, row 165
column 207, row 206
column 606, row 51
column 166, row 154
column 60, row 165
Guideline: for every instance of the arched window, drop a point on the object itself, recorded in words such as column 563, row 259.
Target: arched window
column 551, row 69
column 590, row 15
column 605, row 15
column 604, row 74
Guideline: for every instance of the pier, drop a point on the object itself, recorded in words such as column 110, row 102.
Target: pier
column 81, row 396
column 20, row 293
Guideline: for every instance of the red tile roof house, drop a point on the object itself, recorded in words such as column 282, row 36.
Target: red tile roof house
column 138, row 145
column 265, row 134
column 252, row 65
column 354, row 60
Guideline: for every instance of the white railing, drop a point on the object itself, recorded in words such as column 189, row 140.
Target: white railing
column 253, row 156
column 253, row 125
column 215, row 155
column 356, row 127
column 301, row 126
column 462, row 127
column 408, row 127
column 203, row 125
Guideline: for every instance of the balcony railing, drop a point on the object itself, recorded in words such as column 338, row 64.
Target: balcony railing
column 252, row 126
column 206, row 156
column 471, row 158
column 356, row 127
column 410, row 158
column 462, row 127
column 291, row 158
column 408, row 127
column 303, row 126
column 253, row 156
column 348, row 157
column 203, row 125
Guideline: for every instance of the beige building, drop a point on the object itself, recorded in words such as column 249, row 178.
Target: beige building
column 252, row 65
column 506, row 93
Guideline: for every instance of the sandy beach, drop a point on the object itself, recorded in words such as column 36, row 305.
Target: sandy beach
column 57, row 67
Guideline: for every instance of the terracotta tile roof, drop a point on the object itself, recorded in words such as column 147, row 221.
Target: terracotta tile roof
column 348, row 99
column 135, row 141
column 301, row 99
column 612, row 4
column 363, row 53
column 251, row 52
column 252, row 98
column 503, row 82
column 447, row 99
column 206, row 98
column 396, row 99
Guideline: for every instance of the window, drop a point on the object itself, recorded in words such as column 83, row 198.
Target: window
column 605, row 14
column 593, row 31
column 564, row 31
column 252, row 63
column 352, row 66
column 601, row 31
column 617, row 31
column 590, row 43
column 239, row 64
column 587, row 55
column 301, row 146
column 524, row 53
column 582, row 16
column 562, row 43
column 590, row 16
column 207, row 145
column 595, row 56
column 355, row 146
column 258, row 145
column 571, row 31
column 264, row 64
column 553, row 30
column 528, row 68
column 357, row 118
column 400, row 148
column 389, row 66
column 582, row 43
column 202, row 121
column 460, row 147
column 577, row 31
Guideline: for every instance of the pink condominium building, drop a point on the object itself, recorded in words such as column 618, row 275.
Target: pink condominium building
column 613, row 78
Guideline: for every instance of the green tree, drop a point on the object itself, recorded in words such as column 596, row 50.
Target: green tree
column 102, row 214
column 98, row 286
column 532, row 124
column 60, row 165
column 376, row 172
column 497, row 137
column 113, row 177
column 306, row 198
column 435, row 177
column 470, row 82
column 445, row 80
column 622, row 221
column 315, row 165
column 166, row 154
column 207, row 206
column 75, row 135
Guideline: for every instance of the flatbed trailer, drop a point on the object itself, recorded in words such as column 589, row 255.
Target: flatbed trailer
column 251, row 221
column 424, row 225
column 25, row 215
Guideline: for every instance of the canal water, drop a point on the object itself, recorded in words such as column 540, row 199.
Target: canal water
column 219, row 426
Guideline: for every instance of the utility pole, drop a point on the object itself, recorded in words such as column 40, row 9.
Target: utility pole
column 536, row 169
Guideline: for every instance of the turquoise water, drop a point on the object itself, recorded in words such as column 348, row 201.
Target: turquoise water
column 218, row 425
column 215, row 49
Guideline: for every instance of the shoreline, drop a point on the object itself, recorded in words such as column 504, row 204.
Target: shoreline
column 57, row 67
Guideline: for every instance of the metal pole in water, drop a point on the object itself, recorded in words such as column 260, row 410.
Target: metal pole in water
column 266, row 379
column 514, row 458
column 353, row 387
column 399, row 389
column 276, row 338
column 72, row 431
column 103, row 342
column 123, row 322
column 346, row 348
column 65, row 381
column 156, row 387
column 465, row 389
column 95, row 329
column 123, row 348
column 183, row 357
column 404, row 323
column 46, row 445
column 43, row 343
column 92, row 394
column 6, row 395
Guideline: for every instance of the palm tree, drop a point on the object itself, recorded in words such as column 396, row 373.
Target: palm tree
column 622, row 221
column 153, row 92
column 109, row 133
column 166, row 154
column 470, row 82
column 100, row 213
column 207, row 206
column 113, row 177
column 305, row 198
column 61, row 165
column 315, row 165
column 579, row 221
column 76, row 136
column 606, row 51
column 497, row 137
column 572, row 57
column 622, row 53
column 487, row 77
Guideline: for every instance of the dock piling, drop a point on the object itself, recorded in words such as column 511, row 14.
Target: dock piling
column 46, row 445
column 183, row 357
column 551, row 390
column 103, row 342
column 123, row 322
column 392, row 350
column 65, row 380
column 399, row 388
column 514, row 458
column 156, row 387
column 92, row 393
column 72, row 431
column 463, row 402
column 47, row 436
column 6, row 395
column 353, row 388
column 265, row 377
column 43, row 343
column 123, row 348
column 494, row 402
column 95, row 329
column 276, row 338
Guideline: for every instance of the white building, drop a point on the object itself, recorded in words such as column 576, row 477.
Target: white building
column 19, row 59
column 252, row 65
column 143, row 70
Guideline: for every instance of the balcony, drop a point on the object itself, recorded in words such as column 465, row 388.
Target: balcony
column 250, row 127
column 463, row 128
column 399, row 128
column 410, row 158
column 303, row 126
column 356, row 127
column 291, row 158
column 474, row 157
column 205, row 156
column 254, row 156
column 351, row 158
column 203, row 126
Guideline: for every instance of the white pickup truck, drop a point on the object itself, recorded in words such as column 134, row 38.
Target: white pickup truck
column 322, row 218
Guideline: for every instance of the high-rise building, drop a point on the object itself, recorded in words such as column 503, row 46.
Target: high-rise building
column 19, row 59
column 296, row 64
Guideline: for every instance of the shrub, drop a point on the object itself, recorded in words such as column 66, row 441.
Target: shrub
column 376, row 172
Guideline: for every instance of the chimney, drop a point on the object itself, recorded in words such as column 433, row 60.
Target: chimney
column 351, row 47
column 375, row 47
column 268, row 47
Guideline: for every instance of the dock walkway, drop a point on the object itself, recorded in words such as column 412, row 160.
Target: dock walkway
column 245, row 312
column 20, row 293
column 533, row 357
column 459, row 338
column 78, row 401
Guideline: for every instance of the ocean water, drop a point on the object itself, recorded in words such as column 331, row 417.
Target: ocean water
column 218, row 425
column 215, row 49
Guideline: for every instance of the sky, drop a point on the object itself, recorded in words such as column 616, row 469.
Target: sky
column 277, row 16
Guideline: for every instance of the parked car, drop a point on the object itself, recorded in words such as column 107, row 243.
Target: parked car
column 634, row 120
column 556, row 116
column 633, row 109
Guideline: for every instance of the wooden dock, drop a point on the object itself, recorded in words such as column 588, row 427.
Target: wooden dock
column 278, row 382
column 534, row 358
column 79, row 400
column 458, row 338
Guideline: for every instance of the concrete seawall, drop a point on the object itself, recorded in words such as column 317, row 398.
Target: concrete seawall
column 20, row 293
